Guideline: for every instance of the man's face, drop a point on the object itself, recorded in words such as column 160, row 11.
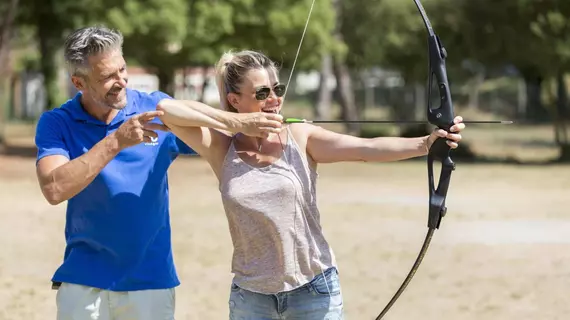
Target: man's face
column 106, row 80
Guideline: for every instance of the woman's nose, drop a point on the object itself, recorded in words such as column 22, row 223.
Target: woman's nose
column 272, row 98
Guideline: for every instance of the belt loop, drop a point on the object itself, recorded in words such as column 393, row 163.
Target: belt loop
column 55, row 285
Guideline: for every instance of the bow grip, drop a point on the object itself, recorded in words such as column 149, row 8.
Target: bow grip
column 439, row 152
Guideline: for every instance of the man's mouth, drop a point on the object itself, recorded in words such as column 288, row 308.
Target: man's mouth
column 115, row 94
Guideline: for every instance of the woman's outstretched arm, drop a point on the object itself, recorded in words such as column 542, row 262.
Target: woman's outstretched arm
column 326, row 146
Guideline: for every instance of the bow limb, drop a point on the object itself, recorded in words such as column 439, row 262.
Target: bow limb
column 442, row 117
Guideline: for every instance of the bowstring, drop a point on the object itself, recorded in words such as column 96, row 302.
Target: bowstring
column 295, row 60
column 298, row 49
column 290, row 136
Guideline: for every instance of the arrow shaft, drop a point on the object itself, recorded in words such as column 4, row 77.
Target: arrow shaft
column 388, row 121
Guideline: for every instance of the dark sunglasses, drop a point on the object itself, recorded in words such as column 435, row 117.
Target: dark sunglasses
column 262, row 93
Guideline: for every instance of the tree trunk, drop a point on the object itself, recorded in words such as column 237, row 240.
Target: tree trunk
column 343, row 80
column 49, row 38
column 323, row 106
column 346, row 96
column 420, row 99
column 474, row 89
column 6, row 25
column 535, row 109
column 48, row 49
column 205, row 82
column 5, row 39
column 184, row 92
column 165, row 81
column 561, row 118
column 521, row 99
column 562, row 94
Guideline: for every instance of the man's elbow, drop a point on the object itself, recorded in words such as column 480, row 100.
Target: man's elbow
column 54, row 200
column 52, row 196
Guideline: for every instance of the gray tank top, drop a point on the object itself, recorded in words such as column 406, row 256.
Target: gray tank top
column 274, row 221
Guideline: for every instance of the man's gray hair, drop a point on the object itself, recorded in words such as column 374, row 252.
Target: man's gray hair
column 86, row 42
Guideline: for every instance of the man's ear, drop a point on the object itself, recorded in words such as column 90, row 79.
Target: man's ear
column 233, row 98
column 78, row 82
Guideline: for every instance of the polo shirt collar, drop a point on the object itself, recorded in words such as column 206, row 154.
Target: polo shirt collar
column 79, row 114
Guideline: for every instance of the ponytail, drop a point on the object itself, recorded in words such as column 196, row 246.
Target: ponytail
column 221, row 74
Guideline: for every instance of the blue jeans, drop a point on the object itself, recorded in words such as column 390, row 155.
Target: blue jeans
column 313, row 301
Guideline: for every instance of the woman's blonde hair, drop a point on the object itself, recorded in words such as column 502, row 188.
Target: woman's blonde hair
column 232, row 68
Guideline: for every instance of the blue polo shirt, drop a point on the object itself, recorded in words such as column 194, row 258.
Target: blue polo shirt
column 117, row 229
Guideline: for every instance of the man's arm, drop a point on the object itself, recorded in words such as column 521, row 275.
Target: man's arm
column 61, row 179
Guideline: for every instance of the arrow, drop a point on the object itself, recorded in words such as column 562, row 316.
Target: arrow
column 297, row 120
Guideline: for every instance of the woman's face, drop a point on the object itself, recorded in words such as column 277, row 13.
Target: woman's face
column 260, row 91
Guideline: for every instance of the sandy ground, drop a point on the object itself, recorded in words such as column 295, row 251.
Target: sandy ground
column 503, row 250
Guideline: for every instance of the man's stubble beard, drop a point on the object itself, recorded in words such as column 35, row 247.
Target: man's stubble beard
column 104, row 104
column 121, row 105
column 118, row 106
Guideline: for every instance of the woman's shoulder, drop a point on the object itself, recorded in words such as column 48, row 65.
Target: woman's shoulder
column 301, row 131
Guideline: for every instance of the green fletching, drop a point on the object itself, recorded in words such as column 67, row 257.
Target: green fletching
column 294, row 120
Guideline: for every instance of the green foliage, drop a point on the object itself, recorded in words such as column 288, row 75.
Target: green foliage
column 387, row 33
column 533, row 35
column 529, row 34
column 552, row 26
column 153, row 29
column 273, row 27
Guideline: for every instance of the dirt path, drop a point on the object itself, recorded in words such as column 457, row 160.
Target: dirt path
column 503, row 251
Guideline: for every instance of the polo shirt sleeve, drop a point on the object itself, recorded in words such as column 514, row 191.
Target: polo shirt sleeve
column 49, row 137
column 181, row 147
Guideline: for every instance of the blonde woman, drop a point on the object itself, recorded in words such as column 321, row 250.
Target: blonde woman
column 283, row 266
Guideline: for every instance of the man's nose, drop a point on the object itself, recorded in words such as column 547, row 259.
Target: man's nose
column 123, row 82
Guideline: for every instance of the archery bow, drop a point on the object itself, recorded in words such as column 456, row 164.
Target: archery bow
column 441, row 117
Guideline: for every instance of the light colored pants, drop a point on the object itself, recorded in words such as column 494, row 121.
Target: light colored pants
column 320, row 299
column 77, row 302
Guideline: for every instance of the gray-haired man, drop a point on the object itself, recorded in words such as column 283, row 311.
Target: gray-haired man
column 106, row 152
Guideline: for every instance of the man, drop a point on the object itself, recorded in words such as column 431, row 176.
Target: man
column 106, row 152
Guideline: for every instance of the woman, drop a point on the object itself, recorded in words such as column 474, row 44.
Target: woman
column 283, row 265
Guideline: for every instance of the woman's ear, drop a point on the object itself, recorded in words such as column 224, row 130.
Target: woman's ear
column 233, row 99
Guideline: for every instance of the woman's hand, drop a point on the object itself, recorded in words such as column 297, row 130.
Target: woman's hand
column 453, row 137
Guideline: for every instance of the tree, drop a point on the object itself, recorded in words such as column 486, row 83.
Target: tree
column 390, row 34
column 498, row 34
column 531, row 35
column 552, row 26
column 153, row 31
column 7, row 10
column 51, row 20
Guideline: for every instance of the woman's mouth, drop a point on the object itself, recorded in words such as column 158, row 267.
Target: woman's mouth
column 270, row 110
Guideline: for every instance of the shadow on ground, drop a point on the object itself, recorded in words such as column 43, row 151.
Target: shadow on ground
column 18, row 151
